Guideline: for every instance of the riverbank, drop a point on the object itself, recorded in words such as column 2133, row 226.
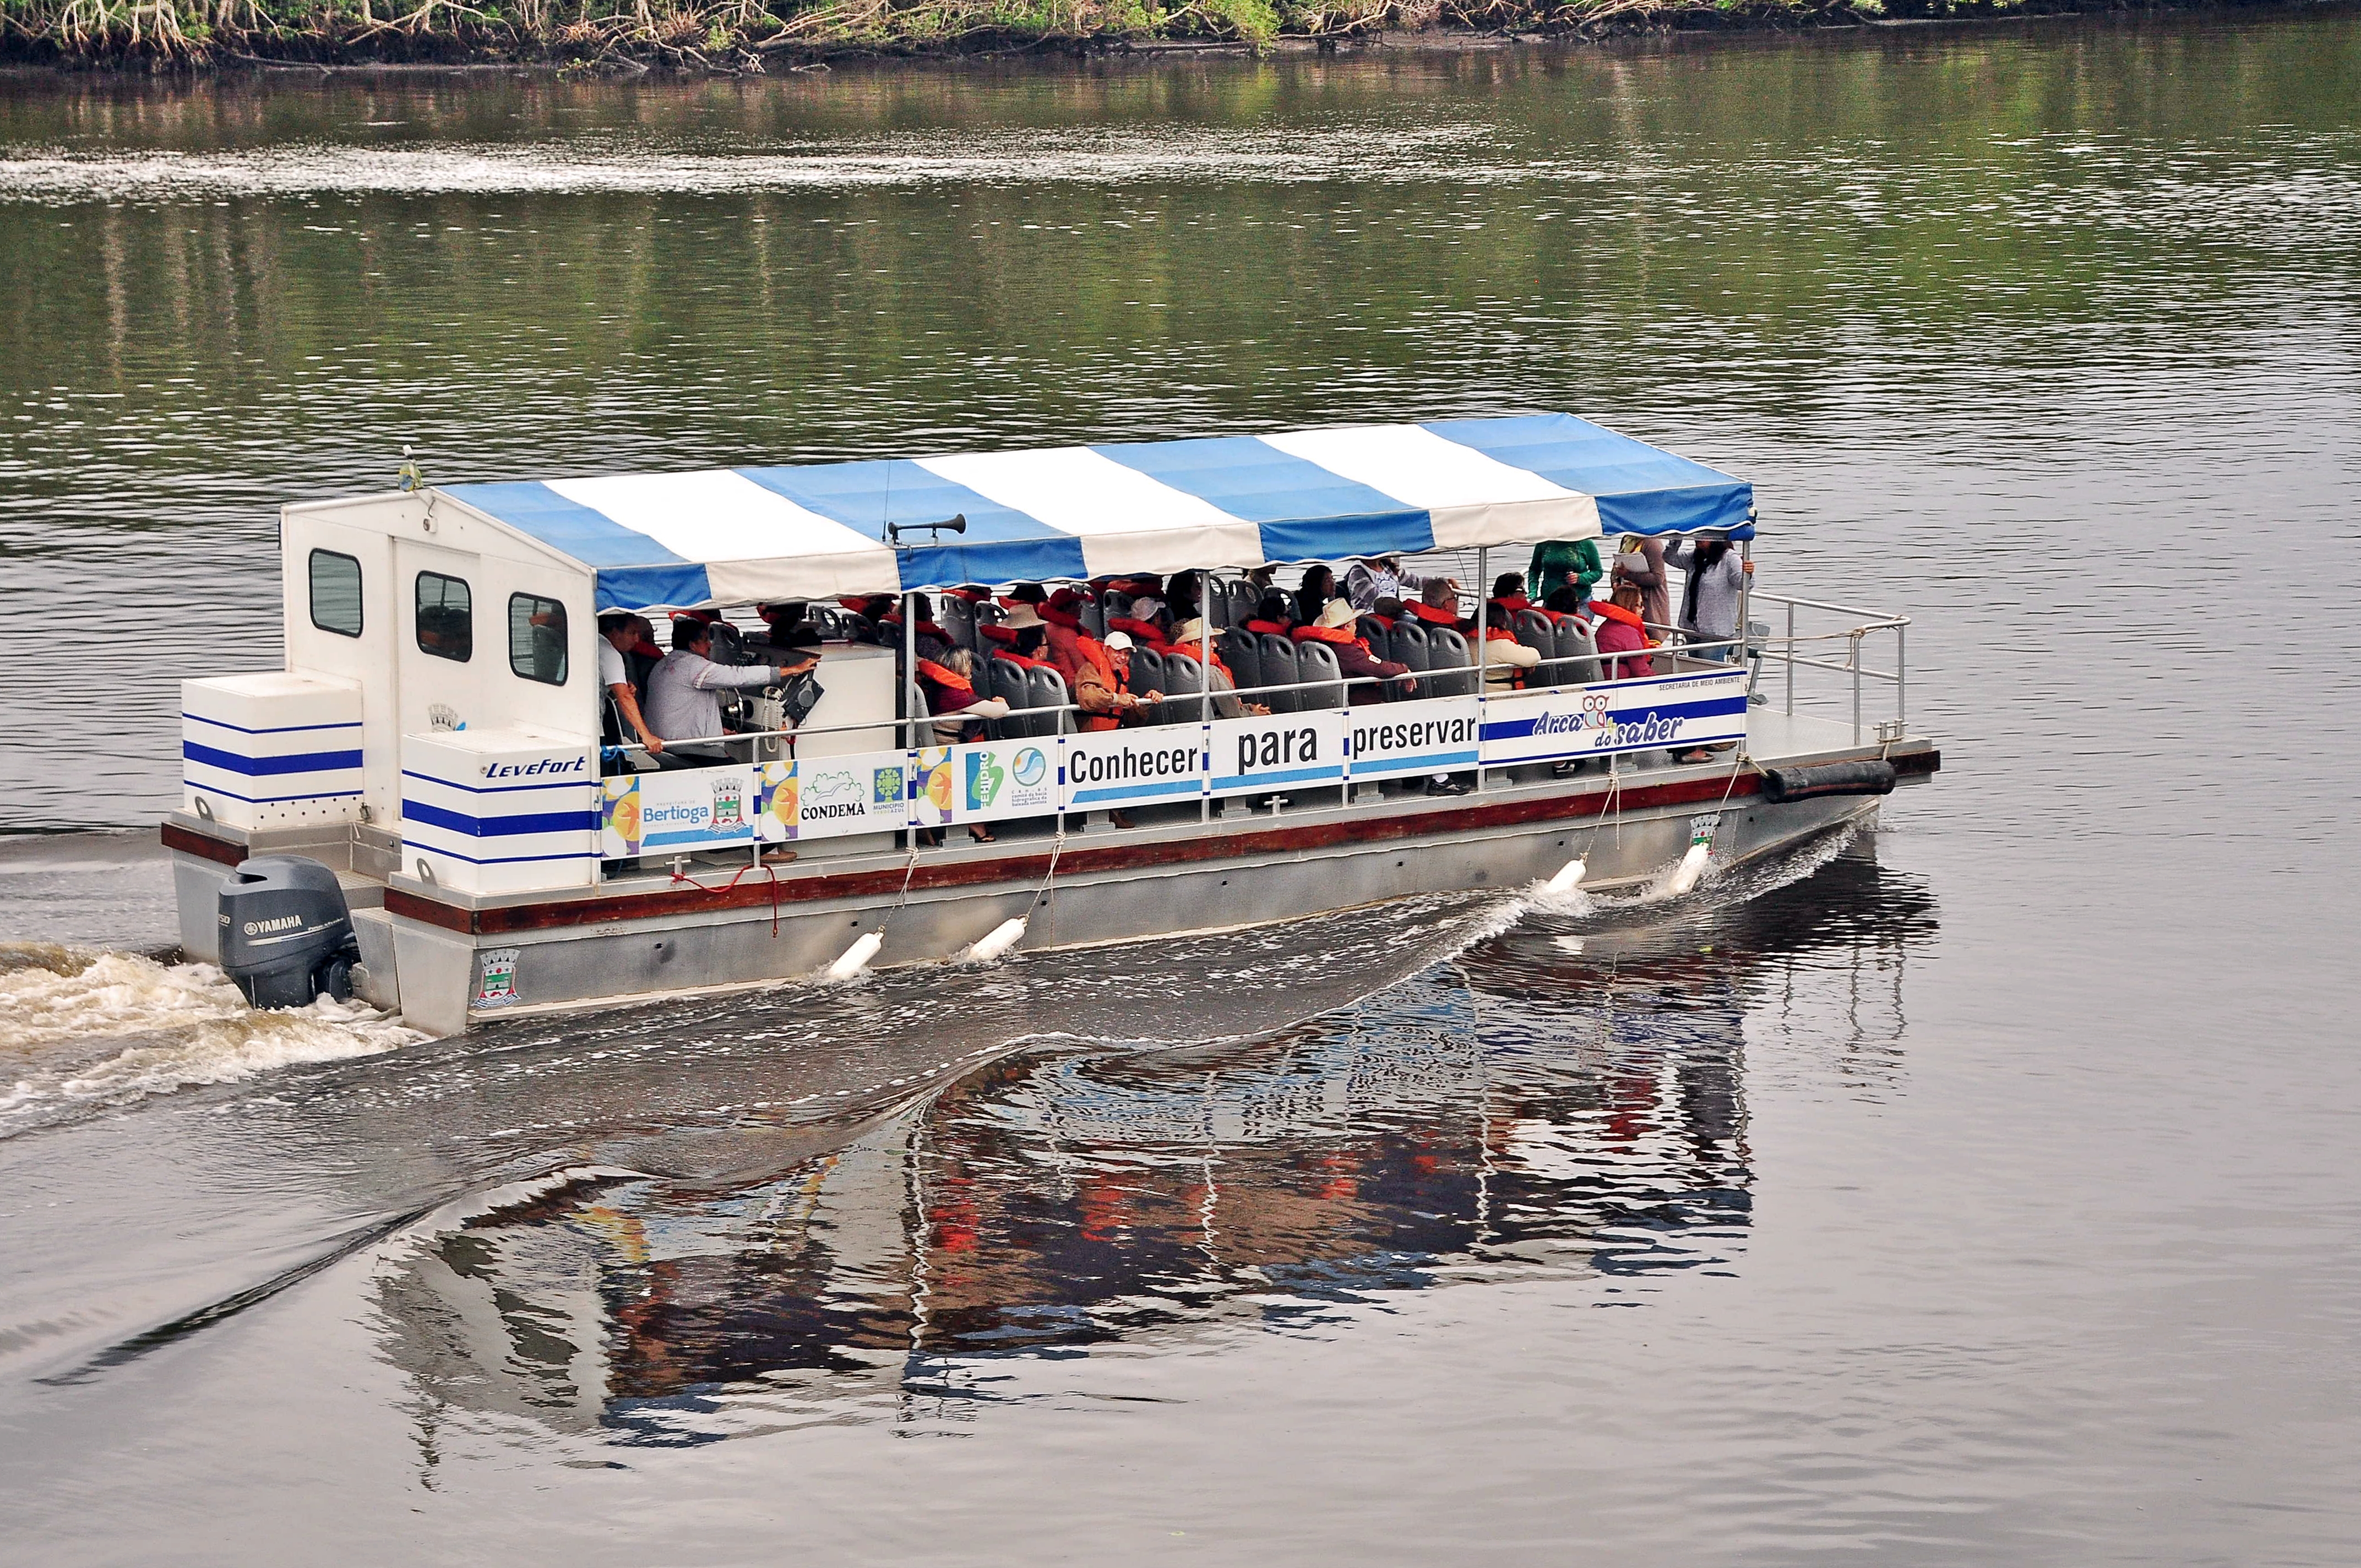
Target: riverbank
column 754, row 36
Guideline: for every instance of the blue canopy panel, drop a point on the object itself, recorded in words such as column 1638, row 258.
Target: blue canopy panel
column 745, row 535
column 1640, row 488
column 1301, row 508
column 1001, row 544
column 632, row 570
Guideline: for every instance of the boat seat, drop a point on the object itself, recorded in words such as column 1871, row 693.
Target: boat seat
column 1534, row 629
column 1147, row 670
column 957, row 618
column 1454, row 673
column 1243, row 658
column 1377, row 632
column 987, row 614
column 1317, row 661
column 1184, row 684
column 1243, row 599
column 1046, row 694
column 1009, row 684
column 1411, row 646
column 1094, row 620
column 1578, row 650
column 1276, row 661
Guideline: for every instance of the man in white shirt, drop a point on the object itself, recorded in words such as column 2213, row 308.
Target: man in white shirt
column 681, row 701
column 617, row 635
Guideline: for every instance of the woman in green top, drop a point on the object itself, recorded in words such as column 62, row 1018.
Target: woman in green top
column 1558, row 563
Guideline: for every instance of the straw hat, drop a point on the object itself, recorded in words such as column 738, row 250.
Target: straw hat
column 1191, row 631
column 1340, row 612
column 1021, row 617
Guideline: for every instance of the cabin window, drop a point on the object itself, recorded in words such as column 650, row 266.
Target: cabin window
column 537, row 638
column 447, row 616
column 335, row 593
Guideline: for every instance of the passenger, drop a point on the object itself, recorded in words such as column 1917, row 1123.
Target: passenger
column 1276, row 615
column 1103, row 684
column 1026, row 593
column 1621, row 631
column 615, row 636
column 1147, row 602
column 1102, row 675
column 1642, row 561
column 643, row 656
column 1022, row 638
column 1562, row 602
column 1709, row 601
column 1374, row 679
column 1319, row 587
column 1062, row 613
column 1508, row 597
column 957, row 709
column 1505, row 660
column 1189, row 638
column 681, row 704
column 1182, row 597
column 1148, row 633
column 1560, row 562
column 1375, row 577
column 933, row 640
column 1259, row 579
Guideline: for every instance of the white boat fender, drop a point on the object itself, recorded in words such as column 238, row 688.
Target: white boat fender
column 856, row 956
column 1692, row 866
column 1569, row 877
column 996, row 941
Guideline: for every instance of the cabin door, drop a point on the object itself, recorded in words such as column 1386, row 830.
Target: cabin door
column 450, row 635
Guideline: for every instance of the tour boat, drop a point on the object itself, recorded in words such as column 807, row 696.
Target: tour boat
column 432, row 806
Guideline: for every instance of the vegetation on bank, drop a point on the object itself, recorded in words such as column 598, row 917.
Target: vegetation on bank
column 743, row 34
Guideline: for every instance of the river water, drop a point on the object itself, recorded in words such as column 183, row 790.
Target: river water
column 1981, row 1189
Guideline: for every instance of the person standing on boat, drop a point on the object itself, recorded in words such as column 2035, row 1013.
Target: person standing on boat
column 1642, row 561
column 1562, row 562
column 1709, row 601
column 1375, row 577
column 681, row 701
column 616, row 636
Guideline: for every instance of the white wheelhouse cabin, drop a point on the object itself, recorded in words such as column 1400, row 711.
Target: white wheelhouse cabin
column 439, row 735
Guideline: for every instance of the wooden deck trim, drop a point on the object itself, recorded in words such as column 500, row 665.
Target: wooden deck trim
column 764, row 892
column 204, row 846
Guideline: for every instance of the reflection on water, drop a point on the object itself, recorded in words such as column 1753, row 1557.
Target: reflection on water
column 1517, row 1108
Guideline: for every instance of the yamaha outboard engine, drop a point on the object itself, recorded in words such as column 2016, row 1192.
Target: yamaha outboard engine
column 286, row 936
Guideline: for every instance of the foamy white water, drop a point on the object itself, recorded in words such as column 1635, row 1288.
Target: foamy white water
column 84, row 1029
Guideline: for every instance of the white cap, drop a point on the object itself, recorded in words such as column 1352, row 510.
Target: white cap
column 1118, row 641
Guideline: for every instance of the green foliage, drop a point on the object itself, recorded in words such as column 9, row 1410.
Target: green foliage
column 712, row 34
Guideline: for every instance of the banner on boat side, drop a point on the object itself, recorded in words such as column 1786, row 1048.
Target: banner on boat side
column 1278, row 752
column 1624, row 716
column 986, row 781
column 1123, row 767
column 1432, row 735
column 682, row 810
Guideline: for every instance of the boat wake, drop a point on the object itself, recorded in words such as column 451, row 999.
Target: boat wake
column 82, row 1030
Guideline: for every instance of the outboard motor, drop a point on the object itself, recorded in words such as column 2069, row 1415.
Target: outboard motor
column 286, row 935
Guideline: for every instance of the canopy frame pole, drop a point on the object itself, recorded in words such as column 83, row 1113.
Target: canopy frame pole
column 1483, row 686
column 1745, row 649
column 910, row 705
column 1206, row 688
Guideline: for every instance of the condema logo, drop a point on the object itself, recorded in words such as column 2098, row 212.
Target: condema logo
column 1032, row 767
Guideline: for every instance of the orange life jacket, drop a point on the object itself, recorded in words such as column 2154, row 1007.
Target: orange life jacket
column 1433, row 616
column 1095, row 654
column 1340, row 636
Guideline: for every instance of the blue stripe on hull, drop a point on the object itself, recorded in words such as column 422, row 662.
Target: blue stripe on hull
column 263, row 767
column 499, row 826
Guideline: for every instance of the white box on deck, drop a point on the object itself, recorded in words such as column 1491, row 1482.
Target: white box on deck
column 857, row 681
column 511, row 810
column 272, row 750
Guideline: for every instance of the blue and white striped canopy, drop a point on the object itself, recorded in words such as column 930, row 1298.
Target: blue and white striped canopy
column 746, row 535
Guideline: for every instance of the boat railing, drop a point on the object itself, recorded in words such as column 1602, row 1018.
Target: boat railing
column 1849, row 640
